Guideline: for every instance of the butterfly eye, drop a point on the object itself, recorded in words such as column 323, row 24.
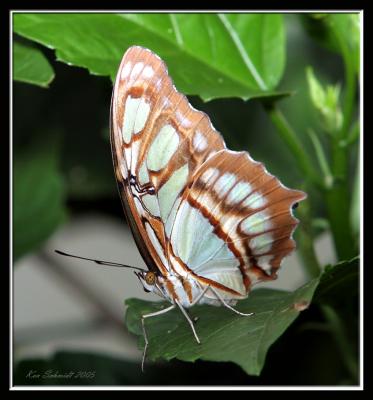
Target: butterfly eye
column 150, row 278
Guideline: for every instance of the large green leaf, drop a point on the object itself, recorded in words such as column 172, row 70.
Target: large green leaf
column 338, row 282
column 38, row 197
column 212, row 55
column 225, row 336
column 30, row 66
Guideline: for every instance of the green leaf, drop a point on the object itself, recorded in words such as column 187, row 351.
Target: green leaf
column 31, row 66
column 224, row 335
column 338, row 281
column 38, row 202
column 239, row 55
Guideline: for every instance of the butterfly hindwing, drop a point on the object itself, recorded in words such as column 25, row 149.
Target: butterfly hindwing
column 234, row 225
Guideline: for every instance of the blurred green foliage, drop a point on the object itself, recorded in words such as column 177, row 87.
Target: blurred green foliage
column 38, row 197
column 310, row 143
column 326, row 102
column 31, row 66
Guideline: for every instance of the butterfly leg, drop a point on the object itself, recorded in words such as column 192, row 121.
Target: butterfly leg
column 195, row 301
column 189, row 320
column 199, row 297
column 154, row 314
column 225, row 304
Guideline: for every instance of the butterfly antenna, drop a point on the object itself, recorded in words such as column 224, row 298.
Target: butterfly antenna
column 100, row 262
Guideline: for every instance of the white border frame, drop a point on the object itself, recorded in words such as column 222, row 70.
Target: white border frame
column 220, row 388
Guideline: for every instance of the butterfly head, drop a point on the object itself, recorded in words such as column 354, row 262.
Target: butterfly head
column 148, row 280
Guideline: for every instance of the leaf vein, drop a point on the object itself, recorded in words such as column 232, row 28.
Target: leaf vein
column 243, row 53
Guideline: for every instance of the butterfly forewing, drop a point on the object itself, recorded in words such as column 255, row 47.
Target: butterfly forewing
column 196, row 209
column 158, row 141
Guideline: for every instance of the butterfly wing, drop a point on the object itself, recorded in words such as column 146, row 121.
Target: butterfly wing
column 195, row 208
column 234, row 225
column 158, row 142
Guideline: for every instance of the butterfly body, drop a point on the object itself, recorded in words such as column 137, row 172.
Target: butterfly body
column 185, row 290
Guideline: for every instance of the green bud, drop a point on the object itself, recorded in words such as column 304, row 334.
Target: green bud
column 326, row 102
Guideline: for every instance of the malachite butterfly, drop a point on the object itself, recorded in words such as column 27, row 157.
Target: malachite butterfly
column 209, row 222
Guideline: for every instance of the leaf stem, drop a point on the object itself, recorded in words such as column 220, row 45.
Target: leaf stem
column 323, row 162
column 306, row 243
column 290, row 138
column 337, row 329
column 338, row 205
column 352, row 137
column 349, row 97
column 306, row 247
column 338, row 197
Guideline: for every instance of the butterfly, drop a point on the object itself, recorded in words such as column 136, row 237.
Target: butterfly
column 209, row 222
